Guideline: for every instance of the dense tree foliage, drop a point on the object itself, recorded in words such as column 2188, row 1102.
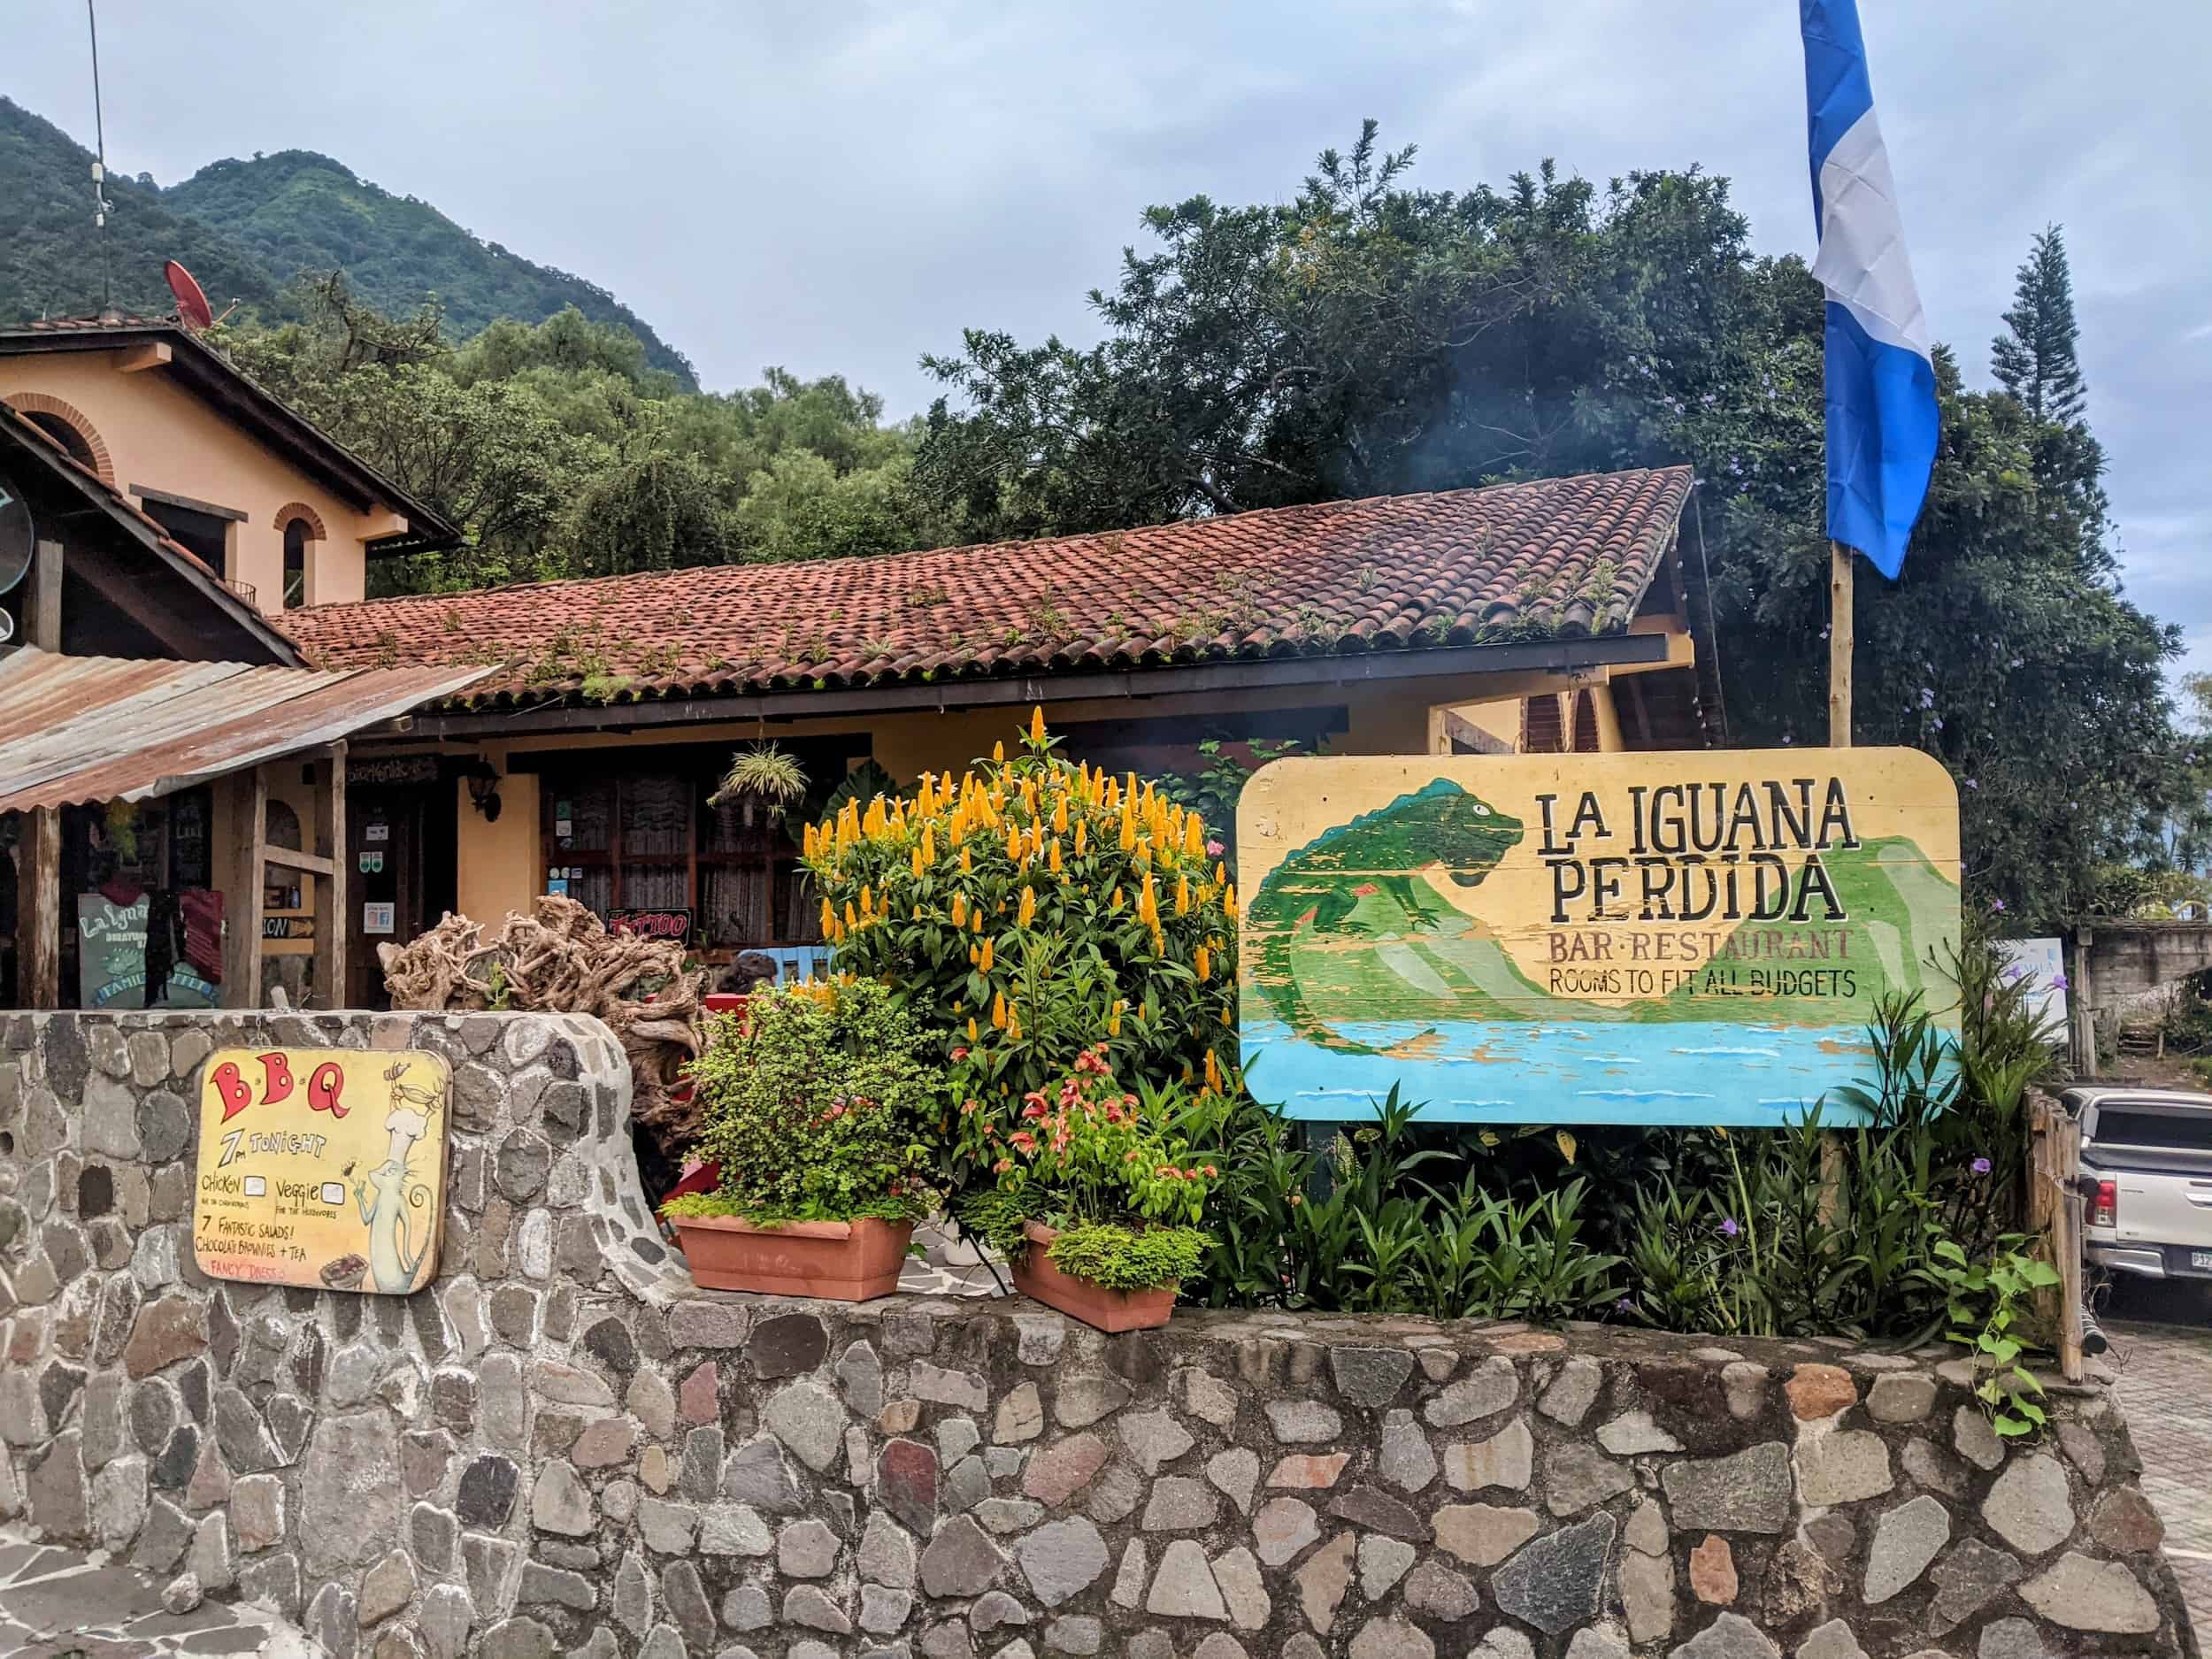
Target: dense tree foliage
column 1365, row 336
column 564, row 452
column 2034, row 357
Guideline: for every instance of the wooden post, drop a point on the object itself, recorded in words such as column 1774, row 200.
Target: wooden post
column 244, row 868
column 1840, row 641
column 42, row 609
column 38, row 908
column 38, row 841
column 333, row 904
column 2082, row 1021
column 2053, row 1222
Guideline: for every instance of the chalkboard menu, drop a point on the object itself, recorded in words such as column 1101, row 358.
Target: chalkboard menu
column 110, row 951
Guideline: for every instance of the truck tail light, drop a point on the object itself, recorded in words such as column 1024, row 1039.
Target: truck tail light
column 2104, row 1209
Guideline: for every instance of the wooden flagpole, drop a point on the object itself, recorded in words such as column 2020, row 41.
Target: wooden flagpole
column 1840, row 643
column 1839, row 640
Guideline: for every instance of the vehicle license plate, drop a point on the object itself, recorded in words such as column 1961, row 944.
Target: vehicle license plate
column 2201, row 1260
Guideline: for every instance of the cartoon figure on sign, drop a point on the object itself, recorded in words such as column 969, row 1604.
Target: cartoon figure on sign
column 392, row 1267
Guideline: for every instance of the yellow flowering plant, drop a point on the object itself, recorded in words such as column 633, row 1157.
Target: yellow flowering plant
column 1032, row 907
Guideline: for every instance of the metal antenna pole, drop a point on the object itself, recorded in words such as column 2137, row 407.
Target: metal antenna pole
column 100, row 165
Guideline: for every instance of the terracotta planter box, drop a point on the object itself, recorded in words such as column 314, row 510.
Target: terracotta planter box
column 843, row 1261
column 1104, row 1310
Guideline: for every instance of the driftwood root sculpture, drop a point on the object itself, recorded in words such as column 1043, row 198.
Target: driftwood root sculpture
column 560, row 958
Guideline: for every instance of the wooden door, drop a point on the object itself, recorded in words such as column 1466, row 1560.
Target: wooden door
column 384, row 831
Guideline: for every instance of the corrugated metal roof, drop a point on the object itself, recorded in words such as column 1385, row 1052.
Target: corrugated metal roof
column 102, row 728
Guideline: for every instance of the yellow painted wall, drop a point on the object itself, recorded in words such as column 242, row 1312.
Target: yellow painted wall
column 1501, row 717
column 1609, row 739
column 159, row 436
column 500, row 864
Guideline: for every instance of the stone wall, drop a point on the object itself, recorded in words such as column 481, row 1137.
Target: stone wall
column 564, row 1448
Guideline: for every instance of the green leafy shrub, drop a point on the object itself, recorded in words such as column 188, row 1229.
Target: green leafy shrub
column 816, row 1106
column 1986, row 1304
column 1128, row 1258
column 1032, row 909
column 1103, row 1167
column 1353, row 1226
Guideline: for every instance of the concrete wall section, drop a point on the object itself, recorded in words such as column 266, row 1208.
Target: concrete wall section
column 561, row 1447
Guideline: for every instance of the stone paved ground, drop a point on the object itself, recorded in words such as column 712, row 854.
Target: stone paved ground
column 62, row 1603
column 2162, row 1348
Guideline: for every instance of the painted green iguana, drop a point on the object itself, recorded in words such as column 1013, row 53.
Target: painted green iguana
column 1348, row 921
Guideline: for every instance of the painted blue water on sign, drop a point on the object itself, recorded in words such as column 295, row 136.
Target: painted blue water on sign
column 1494, row 1071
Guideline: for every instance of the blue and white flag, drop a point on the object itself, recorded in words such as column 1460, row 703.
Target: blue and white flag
column 1881, row 397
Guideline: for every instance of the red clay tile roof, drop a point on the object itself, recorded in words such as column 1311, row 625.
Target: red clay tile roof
column 1555, row 557
column 85, row 324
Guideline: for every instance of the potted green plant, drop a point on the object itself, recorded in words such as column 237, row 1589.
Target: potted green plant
column 1098, row 1202
column 812, row 1108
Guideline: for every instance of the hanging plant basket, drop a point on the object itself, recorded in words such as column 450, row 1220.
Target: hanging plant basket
column 1102, row 1309
column 839, row 1261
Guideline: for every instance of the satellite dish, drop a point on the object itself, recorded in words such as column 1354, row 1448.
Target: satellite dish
column 193, row 310
column 16, row 534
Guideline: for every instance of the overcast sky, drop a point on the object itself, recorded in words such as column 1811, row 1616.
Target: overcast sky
column 840, row 187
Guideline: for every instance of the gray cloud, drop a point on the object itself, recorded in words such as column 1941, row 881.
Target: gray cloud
column 842, row 186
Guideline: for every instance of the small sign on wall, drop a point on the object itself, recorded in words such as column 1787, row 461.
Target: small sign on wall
column 323, row 1168
column 379, row 917
column 673, row 926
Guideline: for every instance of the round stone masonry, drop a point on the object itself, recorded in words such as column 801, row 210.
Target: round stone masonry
column 563, row 1447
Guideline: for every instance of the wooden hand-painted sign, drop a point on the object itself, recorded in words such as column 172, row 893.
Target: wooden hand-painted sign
column 321, row 1167
column 1626, row 938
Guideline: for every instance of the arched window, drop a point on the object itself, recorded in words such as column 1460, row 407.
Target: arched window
column 67, row 436
column 66, row 425
column 296, row 540
column 303, row 529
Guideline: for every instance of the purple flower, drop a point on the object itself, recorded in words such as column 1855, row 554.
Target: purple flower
column 1980, row 1166
column 1624, row 1306
column 1971, row 784
column 1728, row 1228
column 2058, row 982
column 1996, row 904
column 1927, row 697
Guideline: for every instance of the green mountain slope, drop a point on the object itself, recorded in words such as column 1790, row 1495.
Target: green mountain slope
column 247, row 228
column 49, row 257
column 296, row 210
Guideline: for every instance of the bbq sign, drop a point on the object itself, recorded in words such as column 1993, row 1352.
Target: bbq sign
column 1629, row 938
column 323, row 1168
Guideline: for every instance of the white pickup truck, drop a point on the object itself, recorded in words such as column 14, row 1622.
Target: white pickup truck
column 2147, row 1176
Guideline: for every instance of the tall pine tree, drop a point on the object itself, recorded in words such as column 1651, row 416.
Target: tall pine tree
column 2034, row 358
